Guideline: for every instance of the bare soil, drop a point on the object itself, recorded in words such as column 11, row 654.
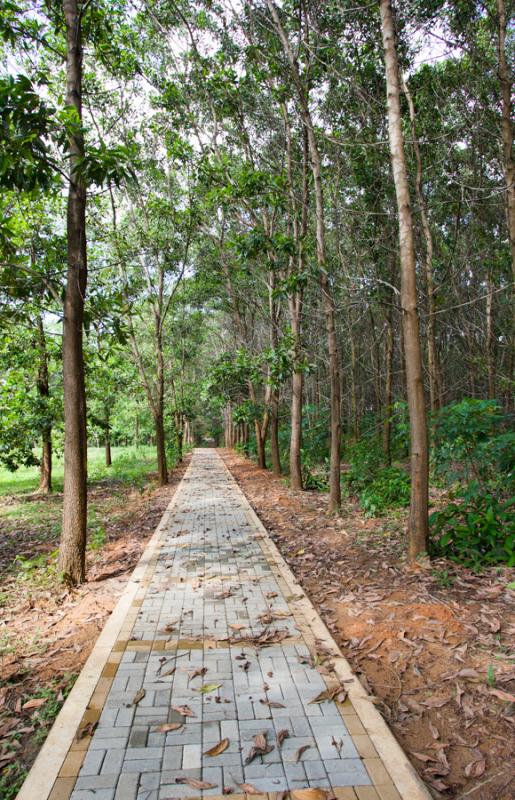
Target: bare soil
column 435, row 646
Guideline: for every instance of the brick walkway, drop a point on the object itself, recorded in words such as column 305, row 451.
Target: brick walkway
column 220, row 644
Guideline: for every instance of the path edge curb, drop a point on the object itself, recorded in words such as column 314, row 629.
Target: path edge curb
column 395, row 760
column 45, row 770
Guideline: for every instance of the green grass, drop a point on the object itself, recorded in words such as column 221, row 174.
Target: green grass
column 130, row 464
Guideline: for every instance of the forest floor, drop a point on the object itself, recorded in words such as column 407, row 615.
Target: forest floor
column 47, row 632
column 434, row 646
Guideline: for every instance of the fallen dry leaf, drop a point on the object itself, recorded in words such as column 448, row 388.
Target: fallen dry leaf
column 310, row 794
column 195, row 783
column 169, row 726
column 249, row 789
column 282, row 735
column 337, row 693
column 271, row 703
column 185, row 711
column 36, row 703
column 138, row 697
column 509, row 698
column 217, row 749
column 298, row 754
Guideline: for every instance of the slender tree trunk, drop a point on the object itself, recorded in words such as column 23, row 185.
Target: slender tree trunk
column 418, row 518
column 295, row 302
column 490, row 351
column 261, row 433
column 388, row 391
column 509, row 164
column 45, row 472
column 72, row 552
column 433, row 367
column 108, row 448
column 274, row 434
column 162, row 468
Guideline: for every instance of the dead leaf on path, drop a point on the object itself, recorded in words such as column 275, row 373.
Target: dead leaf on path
column 259, row 748
column 435, row 702
column 86, row 730
column 217, row 749
column 195, row 783
column 435, row 733
column 338, row 744
column 237, row 626
column 509, row 698
column 249, row 789
column 195, row 673
column 271, row 703
column 138, row 697
column 476, row 767
column 36, row 703
column 336, row 693
column 282, row 735
column 185, row 711
column 422, row 756
column 208, row 687
column 298, row 754
column 310, row 794
column 169, row 726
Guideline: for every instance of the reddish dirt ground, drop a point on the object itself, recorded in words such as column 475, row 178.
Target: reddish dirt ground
column 435, row 646
column 46, row 634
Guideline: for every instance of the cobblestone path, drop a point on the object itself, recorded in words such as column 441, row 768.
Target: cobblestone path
column 218, row 649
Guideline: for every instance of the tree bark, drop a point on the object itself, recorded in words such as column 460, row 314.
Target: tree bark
column 433, row 367
column 418, row 517
column 490, row 351
column 509, row 165
column 274, row 434
column 72, row 553
column 45, row 472
column 108, row 449
column 388, row 391
column 162, row 468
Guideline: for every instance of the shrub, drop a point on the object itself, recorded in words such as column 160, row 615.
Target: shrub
column 477, row 530
column 389, row 489
column 365, row 459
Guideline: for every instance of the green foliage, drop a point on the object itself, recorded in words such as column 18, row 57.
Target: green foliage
column 26, row 122
column 471, row 443
column 390, row 488
column 477, row 530
column 365, row 459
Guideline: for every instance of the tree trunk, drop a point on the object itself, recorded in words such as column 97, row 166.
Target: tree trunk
column 260, row 443
column 72, row 553
column 509, row 165
column 433, row 367
column 162, row 468
column 45, row 472
column 418, row 518
column 296, row 431
column 388, row 391
column 274, row 434
column 109, row 460
column 490, row 351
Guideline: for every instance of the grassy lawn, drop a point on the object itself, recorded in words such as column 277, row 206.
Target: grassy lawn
column 128, row 464
column 30, row 524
